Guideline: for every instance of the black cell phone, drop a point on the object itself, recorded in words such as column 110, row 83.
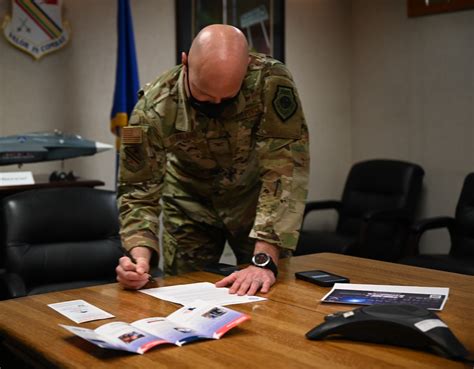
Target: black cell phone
column 321, row 278
column 221, row 268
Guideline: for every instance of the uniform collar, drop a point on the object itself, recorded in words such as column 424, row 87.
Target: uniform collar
column 238, row 107
column 183, row 121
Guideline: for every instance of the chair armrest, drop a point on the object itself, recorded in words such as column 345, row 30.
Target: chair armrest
column 421, row 226
column 322, row 205
column 432, row 223
column 14, row 285
column 387, row 215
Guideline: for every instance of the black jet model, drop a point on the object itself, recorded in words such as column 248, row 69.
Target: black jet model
column 46, row 146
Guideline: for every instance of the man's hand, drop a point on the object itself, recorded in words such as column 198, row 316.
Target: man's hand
column 131, row 275
column 249, row 281
column 252, row 279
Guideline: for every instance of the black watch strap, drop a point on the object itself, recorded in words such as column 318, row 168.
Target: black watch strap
column 263, row 260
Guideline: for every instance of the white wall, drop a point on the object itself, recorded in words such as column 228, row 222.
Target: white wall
column 413, row 97
column 318, row 53
column 72, row 89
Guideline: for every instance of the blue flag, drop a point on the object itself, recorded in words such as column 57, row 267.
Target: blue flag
column 126, row 78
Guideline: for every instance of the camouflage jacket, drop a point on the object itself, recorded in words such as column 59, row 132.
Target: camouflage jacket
column 250, row 164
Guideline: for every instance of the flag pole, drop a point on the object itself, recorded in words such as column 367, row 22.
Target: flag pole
column 126, row 77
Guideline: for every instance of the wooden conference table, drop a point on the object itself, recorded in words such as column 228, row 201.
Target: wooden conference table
column 273, row 338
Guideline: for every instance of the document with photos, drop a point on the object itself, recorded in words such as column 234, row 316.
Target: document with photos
column 185, row 325
column 432, row 298
column 80, row 311
column 187, row 294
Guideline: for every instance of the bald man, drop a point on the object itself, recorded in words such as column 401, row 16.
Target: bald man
column 219, row 145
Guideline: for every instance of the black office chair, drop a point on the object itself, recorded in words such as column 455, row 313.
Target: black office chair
column 461, row 231
column 57, row 239
column 377, row 206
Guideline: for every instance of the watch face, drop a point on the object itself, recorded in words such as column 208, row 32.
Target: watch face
column 261, row 259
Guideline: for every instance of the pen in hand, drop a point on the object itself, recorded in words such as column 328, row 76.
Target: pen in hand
column 134, row 261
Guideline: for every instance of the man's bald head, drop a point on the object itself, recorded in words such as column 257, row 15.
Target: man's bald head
column 217, row 62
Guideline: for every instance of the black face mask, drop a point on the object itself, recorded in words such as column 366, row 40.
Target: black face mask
column 209, row 109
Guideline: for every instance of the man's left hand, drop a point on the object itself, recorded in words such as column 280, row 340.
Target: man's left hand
column 249, row 281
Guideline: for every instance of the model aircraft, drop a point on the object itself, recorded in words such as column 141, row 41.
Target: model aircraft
column 46, row 146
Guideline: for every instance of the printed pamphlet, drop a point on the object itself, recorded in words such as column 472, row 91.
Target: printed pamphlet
column 80, row 311
column 202, row 321
column 431, row 298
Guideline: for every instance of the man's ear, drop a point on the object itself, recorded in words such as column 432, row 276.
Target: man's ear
column 184, row 58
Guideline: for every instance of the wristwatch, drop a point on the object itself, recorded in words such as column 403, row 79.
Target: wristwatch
column 263, row 260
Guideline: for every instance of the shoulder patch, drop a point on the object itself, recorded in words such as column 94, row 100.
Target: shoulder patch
column 283, row 115
column 135, row 162
column 284, row 102
column 132, row 135
column 134, row 158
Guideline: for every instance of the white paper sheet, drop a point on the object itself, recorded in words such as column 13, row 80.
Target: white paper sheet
column 80, row 311
column 187, row 294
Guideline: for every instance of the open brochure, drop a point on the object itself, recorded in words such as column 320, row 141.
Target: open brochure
column 184, row 325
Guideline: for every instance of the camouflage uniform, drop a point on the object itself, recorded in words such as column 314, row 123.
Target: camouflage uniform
column 241, row 177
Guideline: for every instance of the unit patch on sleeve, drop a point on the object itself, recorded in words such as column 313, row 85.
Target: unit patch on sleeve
column 134, row 158
column 283, row 116
column 284, row 102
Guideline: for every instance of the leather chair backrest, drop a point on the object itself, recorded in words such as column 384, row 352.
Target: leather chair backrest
column 463, row 235
column 378, row 185
column 61, row 235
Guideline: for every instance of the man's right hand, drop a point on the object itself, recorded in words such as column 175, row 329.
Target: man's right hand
column 134, row 276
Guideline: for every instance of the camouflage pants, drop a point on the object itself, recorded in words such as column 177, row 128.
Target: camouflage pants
column 189, row 243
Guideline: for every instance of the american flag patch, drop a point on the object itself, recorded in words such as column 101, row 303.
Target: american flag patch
column 132, row 135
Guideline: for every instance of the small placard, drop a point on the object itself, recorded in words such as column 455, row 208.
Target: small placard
column 16, row 178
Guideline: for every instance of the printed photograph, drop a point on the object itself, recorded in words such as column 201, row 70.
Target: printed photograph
column 183, row 329
column 214, row 313
column 129, row 337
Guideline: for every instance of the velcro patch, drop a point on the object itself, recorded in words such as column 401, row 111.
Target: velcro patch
column 134, row 158
column 284, row 102
column 251, row 112
column 132, row 135
column 283, row 115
